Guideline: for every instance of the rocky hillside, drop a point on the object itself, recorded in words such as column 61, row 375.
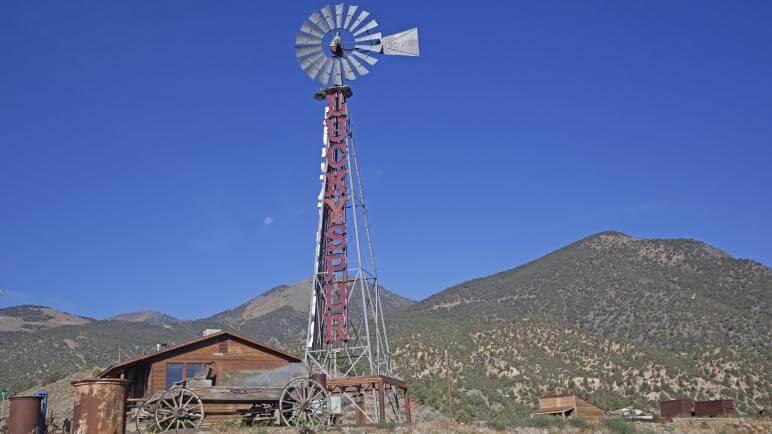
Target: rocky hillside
column 28, row 318
column 279, row 316
column 618, row 319
column 147, row 317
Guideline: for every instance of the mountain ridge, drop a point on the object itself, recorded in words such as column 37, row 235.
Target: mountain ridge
column 625, row 320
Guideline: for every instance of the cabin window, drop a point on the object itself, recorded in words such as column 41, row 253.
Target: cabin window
column 224, row 346
column 192, row 368
column 173, row 374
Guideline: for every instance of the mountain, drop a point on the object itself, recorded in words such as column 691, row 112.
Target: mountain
column 145, row 316
column 276, row 317
column 279, row 316
column 621, row 320
column 28, row 318
column 624, row 321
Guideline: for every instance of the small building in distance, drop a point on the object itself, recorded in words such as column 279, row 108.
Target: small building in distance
column 676, row 408
column 567, row 406
column 713, row 408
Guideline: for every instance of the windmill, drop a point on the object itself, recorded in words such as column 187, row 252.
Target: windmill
column 347, row 344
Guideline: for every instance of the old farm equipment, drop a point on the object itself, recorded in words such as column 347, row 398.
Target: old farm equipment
column 280, row 396
column 347, row 344
column 220, row 376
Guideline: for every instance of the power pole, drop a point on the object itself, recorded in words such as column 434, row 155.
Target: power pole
column 450, row 397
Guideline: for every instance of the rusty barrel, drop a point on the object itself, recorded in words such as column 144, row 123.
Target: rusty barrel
column 24, row 416
column 100, row 406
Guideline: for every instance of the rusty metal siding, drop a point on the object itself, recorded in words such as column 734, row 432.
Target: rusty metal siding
column 24, row 416
column 713, row 408
column 676, row 407
column 99, row 406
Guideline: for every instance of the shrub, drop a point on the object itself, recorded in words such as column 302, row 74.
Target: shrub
column 547, row 422
column 618, row 425
column 578, row 422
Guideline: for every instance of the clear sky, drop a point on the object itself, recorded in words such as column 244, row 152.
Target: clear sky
column 145, row 146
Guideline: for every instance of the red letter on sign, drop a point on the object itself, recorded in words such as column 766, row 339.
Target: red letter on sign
column 332, row 237
column 337, row 206
column 336, row 182
column 335, row 327
column 335, row 297
column 336, row 129
column 336, row 104
column 336, row 155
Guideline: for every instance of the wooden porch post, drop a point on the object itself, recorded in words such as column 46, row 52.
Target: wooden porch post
column 408, row 419
column 360, row 413
column 381, row 403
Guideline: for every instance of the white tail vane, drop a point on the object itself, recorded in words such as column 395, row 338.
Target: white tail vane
column 402, row 43
column 335, row 40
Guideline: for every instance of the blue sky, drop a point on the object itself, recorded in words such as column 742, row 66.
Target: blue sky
column 145, row 145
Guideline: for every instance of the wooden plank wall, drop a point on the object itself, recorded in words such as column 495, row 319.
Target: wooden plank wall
column 586, row 409
column 556, row 401
column 239, row 356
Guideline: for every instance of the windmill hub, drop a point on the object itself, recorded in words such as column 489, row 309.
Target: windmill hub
column 336, row 46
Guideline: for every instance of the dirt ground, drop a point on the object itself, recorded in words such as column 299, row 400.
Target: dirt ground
column 696, row 426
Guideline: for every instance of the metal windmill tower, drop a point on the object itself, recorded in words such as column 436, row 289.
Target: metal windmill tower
column 346, row 334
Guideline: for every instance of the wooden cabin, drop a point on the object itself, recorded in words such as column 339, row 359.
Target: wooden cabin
column 219, row 359
column 567, row 406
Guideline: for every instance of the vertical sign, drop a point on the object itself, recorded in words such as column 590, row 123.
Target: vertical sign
column 333, row 264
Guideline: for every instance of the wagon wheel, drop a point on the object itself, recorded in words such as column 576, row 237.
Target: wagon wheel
column 304, row 403
column 179, row 408
column 144, row 416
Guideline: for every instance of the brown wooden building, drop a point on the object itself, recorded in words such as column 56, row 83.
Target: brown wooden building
column 713, row 408
column 568, row 405
column 676, row 407
column 223, row 359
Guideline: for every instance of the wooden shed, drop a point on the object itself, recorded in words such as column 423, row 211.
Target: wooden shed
column 713, row 408
column 676, row 407
column 567, row 406
column 221, row 359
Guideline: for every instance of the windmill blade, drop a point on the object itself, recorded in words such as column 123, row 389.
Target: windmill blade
column 327, row 13
column 324, row 76
column 303, row 39
column 370, row 37
column 308, row 61
column 347, row 71
column 337, row 77
column 402, row 43
column 365, row 57
column 374, row 48
column 338, row 15
column 305, row 51
column 369, row 26
column 316, row 67
column 319, row 21
column 362, row 16
column 361, row 70
column 350, row 14
column 311, row 30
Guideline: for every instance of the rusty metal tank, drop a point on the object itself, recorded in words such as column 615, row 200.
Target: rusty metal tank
column 24, row 416
column 99, row 406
